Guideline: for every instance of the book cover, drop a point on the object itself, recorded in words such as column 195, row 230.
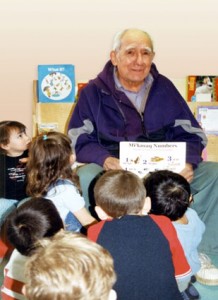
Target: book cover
column 202, row 88
column 47, row 127
column 144, row 157
column 56, row 83
column 207, row 117
column 79, row 87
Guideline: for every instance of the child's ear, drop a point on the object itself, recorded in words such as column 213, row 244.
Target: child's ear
column 112, row 295
column 5, row 147
column 101, row 213
column 72, row 158
column 23, row 290
column 147, row 206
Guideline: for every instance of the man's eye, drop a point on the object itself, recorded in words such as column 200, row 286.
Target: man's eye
column 130, row 52
column 147, row 53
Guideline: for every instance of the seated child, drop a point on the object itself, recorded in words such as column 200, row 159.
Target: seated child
column 32, row 220
column 170, row 195
column 70, row 267
column 142, row 256
column 14, row 144
column 50, row 175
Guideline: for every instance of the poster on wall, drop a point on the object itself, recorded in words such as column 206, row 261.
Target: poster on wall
column 56, row 83
column 202, row 88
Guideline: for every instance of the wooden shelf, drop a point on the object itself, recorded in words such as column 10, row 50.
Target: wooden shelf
column 47, row 113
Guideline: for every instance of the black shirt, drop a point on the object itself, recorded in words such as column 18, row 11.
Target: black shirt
column 13, row 177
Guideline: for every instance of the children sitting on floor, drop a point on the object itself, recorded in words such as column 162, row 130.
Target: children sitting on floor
column 142, row 255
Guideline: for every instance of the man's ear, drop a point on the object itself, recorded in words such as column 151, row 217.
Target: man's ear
column 153, row 55
column 101, row 213
column 113, row 56
column 147, row 206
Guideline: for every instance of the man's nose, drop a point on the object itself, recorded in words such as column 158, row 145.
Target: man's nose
column 139, row 58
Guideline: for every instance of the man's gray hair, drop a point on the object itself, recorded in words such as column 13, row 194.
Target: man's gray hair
column 119, row 35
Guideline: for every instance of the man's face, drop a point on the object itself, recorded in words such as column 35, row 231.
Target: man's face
column 133, row 60
column 18, row 143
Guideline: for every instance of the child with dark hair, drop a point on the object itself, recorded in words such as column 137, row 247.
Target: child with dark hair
column 31, row 221
column 50, row 175
column 144, row 263
column 170, row 195
column 14, row 144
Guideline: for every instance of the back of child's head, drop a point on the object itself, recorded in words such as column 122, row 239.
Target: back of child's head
column 49, row 159
column 69, row 267
column 34, row 219
column 169, row 192
column 6, row 127
column 119, row 193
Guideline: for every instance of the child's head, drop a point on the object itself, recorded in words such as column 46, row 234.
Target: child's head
column 13, row 138
column 69, row 267
column 170, row 193
column 50, row 158
column 34, row 219
column 119, row 193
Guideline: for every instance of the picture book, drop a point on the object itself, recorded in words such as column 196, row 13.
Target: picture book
column 207, row 117
column 79, row 87
column 202, row 88
column 144, row 157
column 47, row 127
column 56, row 83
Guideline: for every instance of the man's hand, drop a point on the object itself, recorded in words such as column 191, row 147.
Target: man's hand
column 111, row 163
column 188, row 172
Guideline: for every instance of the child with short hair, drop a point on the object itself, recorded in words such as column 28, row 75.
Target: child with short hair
column 14, row 143
column 32, row 220
column 70, row 267
column 142, row 255
column 170, row 195
column 50, row 175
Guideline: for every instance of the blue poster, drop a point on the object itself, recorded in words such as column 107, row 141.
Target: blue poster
column 56, row 83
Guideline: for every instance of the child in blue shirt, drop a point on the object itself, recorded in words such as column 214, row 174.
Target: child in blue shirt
column 170, row 195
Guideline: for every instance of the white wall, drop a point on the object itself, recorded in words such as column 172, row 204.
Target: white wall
column 80, row 32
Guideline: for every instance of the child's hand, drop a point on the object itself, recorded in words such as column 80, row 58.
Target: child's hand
column 23, row 160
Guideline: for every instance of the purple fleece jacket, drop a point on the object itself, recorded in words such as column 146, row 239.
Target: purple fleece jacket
column 104, row 116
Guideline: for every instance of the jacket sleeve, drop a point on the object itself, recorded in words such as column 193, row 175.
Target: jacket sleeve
column 186, row 128
column 170, row 110
column 82, row 128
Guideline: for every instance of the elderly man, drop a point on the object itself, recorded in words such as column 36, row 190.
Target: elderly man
column 131, row 101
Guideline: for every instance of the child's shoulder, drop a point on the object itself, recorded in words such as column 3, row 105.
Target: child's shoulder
column 160, row 219
column 94, row 230
column 164, row 223
column 65, row 186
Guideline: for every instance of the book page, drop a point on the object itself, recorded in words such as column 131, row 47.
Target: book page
column 144, row 157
